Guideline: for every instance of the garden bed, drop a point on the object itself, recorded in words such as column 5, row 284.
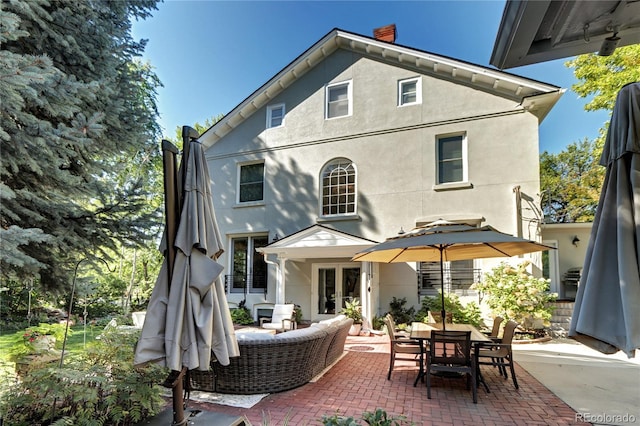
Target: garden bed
column 530, row 336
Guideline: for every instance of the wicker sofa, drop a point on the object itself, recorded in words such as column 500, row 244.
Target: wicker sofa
column 269, row 363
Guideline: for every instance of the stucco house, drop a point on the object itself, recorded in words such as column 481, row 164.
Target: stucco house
column 355, row 140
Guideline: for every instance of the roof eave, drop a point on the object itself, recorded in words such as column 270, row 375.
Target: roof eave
column 498, row 82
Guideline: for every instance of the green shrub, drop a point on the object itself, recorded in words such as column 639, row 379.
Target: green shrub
column 515, row 294
column 24, row 342
column 297, row 313
column 462, row 314
column 371, row 418
column 99, row 388
column 401, row 315
column 377, row 322
column 241, row 316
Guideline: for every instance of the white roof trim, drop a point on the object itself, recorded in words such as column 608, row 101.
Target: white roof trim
column 494, row 81
column 317, row 242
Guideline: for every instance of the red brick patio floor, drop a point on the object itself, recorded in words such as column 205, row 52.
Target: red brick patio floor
column 358, row 383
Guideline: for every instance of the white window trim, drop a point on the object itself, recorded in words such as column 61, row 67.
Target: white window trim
column 270, row 109
column 250, row 258
column 238, row 169
column 401, row 83
column 349, row 99
column 339, row 216
column 464, row 183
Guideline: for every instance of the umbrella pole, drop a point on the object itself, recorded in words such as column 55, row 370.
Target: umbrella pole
column 442, row 311
column 177, row 389
column 172, row 214
column 169, row 152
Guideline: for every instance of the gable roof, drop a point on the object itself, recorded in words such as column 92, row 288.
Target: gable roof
column 536, row 96
column 317, row 241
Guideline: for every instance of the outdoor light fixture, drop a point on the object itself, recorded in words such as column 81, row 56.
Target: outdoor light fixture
column 609, row 45
column 401, row 231
column 575, row 240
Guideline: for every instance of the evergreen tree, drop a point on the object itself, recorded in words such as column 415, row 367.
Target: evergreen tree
column 78, row 135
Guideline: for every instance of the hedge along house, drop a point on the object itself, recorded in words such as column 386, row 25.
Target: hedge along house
column 354, row 141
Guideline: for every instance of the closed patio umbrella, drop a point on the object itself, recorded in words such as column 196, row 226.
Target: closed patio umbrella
column 606, row 314
column 443, row 241
column 188, row 318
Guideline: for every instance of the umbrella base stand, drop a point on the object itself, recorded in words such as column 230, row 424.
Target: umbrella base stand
column 195, row 417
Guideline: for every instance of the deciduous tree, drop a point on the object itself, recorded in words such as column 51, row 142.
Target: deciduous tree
column 571, row 180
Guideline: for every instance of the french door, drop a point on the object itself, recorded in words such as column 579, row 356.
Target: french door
column 332, row 285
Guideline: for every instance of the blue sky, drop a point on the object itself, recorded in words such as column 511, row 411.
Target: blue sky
column 211, row 55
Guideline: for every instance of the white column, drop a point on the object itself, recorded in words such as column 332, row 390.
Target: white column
column 280, row 282
column 365, row 292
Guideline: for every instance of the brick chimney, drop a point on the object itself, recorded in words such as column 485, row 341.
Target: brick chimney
column 386, row 33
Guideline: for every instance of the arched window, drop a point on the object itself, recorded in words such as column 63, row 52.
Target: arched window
column 339, row 188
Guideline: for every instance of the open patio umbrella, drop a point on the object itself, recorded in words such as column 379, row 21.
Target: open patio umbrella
column 443, row 241
column 606, row 314
column 187, row 318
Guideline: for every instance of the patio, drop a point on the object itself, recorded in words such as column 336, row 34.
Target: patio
column 358, row 383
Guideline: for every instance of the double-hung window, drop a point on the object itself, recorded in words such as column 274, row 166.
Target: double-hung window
column 249, row 270
column 275, row 115
column 338, row 182
column 409, row 91
column 250, row 182
column 452, row 159
column 338, row 98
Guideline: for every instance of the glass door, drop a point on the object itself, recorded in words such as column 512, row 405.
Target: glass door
column 333, row 284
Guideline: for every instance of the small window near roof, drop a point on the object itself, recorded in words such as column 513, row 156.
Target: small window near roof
column 338, row 100
column 275, row 115
column 409, row 91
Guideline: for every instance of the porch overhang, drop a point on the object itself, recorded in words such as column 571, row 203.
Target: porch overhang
column 317, row 242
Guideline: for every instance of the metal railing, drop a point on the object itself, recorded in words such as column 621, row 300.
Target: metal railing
column 245, row 283
column 429, row 281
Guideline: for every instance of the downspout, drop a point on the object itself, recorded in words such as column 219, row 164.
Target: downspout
column 516, row 190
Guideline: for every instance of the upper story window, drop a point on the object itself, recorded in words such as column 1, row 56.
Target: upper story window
column 339, row 188
column 275, row 115
column 338, row 98
column 250, row 182
column 409, row 91
column 452, row 159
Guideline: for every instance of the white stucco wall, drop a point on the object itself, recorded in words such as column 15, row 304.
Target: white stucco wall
column 394, row 150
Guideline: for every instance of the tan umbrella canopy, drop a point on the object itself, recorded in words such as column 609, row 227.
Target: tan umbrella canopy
column 188, row 318
column 606, row 314
column 443, row 241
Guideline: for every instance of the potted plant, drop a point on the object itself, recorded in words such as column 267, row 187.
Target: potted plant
column 35, row 345
column 36, row 339
column 353, row 310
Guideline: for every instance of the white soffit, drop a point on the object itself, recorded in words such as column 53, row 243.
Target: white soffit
column 493, row 81
column 533, row 31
